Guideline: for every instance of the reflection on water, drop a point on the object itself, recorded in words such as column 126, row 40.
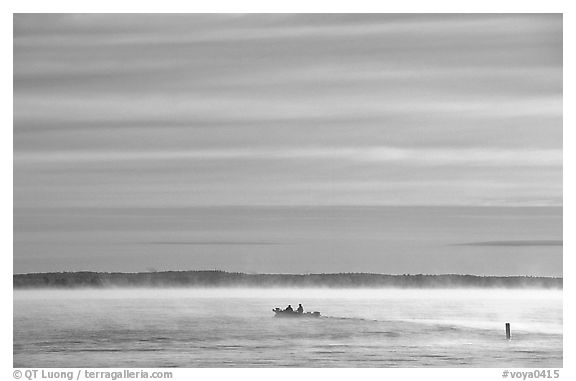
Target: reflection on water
column 235, row 327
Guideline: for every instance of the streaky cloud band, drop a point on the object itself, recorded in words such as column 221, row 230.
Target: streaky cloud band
column 518, row 243
column 377, row 154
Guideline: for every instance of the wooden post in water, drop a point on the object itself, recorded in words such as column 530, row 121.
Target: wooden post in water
column 507, row 331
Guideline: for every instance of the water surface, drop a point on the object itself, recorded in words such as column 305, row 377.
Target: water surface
column 236, row 328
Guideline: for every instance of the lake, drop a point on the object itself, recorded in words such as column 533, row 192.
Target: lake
column 236, row 328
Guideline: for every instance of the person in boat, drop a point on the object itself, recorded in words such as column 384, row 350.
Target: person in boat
column 300, row 309
column 289, row 308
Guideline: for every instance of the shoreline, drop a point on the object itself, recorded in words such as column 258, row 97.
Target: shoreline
column 222, row 279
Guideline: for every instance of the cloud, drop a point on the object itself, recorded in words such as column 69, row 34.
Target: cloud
column 85, row 30
column 152, row 111
column 309, row 108
column 517, row 243
column 215, row 243
column 425, row 157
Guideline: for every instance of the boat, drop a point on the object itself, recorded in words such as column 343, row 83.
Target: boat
column 294, row 314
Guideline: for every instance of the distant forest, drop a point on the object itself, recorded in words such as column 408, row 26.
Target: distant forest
column 228, row 279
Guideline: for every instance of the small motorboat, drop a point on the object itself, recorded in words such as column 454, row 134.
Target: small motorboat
column 294, row 314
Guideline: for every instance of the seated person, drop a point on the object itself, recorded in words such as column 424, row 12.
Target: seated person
column 300, row 309
column 289, row 308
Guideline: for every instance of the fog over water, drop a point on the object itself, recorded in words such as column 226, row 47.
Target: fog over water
column 287, row 143
column 236, row 327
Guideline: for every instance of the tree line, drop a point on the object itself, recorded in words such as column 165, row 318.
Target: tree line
column 217, row 278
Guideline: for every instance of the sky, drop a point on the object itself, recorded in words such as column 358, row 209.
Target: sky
column 285, row 143
column 280, row 109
